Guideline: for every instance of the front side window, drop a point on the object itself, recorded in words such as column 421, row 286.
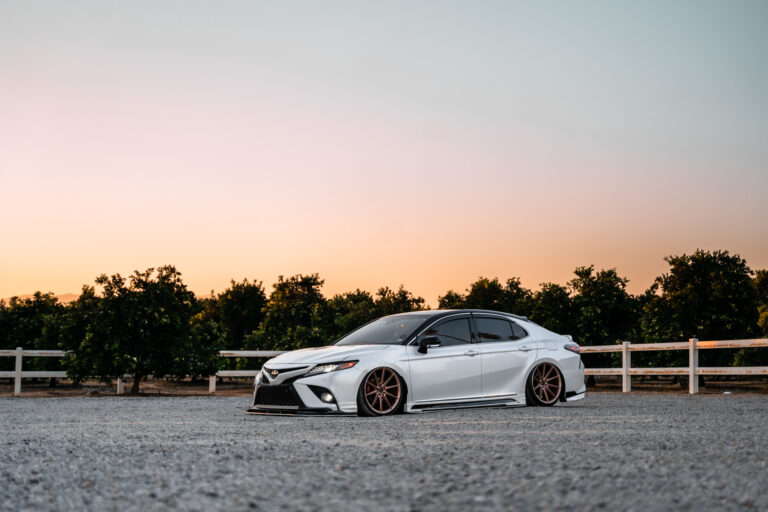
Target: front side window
column 451, row 332
column 494, row 329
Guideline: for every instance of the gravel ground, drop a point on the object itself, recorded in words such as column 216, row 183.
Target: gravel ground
column 631, row 452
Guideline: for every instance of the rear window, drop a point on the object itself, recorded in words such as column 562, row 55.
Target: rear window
column 494, row 329
column 518, row 332
column 499, row 329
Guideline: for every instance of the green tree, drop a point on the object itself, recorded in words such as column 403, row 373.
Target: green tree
column 31, row 323
column 705, row 295
column 295, row 316
column 139, row 327
column 602, row 308
column 390, row 302
column 485, row 293
column 451, row 300
column 760, row 283
column 516, row 299
column 761, row 289
column 350, row 310
column 553, row 308
column 603, row 311
column 199, row 357
column 239, row 310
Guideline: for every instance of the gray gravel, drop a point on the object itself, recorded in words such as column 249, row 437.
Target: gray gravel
column 636, row 452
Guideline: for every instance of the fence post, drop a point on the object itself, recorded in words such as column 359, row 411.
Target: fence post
column 17, row 373
column 120, row 386
column 693, row 364
column 626, row 364
column 212, row 384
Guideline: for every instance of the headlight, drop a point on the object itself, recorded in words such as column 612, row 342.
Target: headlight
column 330, row 367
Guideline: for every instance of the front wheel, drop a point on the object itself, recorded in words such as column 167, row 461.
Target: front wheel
column 544, row 386
column 380, row 394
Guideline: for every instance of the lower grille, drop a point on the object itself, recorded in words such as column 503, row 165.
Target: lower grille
column 276, row 396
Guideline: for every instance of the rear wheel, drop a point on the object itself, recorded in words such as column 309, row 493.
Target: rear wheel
column 381, row 393
column 544, row 386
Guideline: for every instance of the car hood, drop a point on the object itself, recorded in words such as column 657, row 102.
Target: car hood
column 324, row 354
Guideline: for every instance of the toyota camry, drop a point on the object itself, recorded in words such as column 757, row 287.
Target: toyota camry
column 426, row 360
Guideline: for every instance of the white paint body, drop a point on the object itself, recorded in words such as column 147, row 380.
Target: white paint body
column 468, row 375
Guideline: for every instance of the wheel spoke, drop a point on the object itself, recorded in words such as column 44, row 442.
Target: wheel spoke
column 382, row 390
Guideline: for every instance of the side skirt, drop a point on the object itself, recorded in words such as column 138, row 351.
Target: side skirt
column 467, row 405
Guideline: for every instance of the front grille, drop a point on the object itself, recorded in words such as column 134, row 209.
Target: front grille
column 277, row 396
column 275, row 372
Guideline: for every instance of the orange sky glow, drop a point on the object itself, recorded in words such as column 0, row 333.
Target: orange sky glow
column 374, row 149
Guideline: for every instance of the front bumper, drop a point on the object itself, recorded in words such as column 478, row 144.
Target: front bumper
column 300, row 395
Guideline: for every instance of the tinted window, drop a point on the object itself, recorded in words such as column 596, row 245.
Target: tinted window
column 518, row 332
column 389, row 330
column 451, row 332
column 494, row 329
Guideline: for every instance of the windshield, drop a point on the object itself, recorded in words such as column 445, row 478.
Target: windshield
column 390, row 330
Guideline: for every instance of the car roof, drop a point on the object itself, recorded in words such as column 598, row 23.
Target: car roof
column 436, row 313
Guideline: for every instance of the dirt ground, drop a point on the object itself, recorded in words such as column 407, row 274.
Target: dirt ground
column 244, row 387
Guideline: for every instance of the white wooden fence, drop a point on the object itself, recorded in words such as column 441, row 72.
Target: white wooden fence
column 626, row 371
column 692, row 370
column 17, row 374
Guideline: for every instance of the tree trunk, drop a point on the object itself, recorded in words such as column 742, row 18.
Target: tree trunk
column 135, row 386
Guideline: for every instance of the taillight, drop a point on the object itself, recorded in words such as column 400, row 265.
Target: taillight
column 573, row 348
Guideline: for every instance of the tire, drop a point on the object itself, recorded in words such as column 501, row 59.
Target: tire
column 544, row 386
column 381, row 393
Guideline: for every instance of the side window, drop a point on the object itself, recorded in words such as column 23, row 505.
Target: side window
column 518, row 332
column 494, row 329
column 451, row 332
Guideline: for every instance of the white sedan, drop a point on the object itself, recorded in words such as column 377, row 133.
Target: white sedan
column 423, row 361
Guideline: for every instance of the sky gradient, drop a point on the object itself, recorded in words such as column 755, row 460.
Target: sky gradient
column 424, row 143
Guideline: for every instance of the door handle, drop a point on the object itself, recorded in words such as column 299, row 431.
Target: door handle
column 525, row 348
column 471, row 353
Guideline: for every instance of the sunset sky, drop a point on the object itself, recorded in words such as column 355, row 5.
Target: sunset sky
column 422, row 143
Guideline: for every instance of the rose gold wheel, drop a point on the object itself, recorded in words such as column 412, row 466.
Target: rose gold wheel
column 382, row 391
column 546, row 384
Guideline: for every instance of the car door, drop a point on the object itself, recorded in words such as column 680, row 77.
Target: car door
column 506, row 354
column 451, row 371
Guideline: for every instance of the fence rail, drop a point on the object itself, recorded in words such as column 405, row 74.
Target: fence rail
column 626, row 371
column 693, row 370
column 17, row 374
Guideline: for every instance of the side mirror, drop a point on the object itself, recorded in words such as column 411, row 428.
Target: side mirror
column 427, row 342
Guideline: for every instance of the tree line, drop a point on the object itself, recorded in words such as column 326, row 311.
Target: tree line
column 150, row 323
